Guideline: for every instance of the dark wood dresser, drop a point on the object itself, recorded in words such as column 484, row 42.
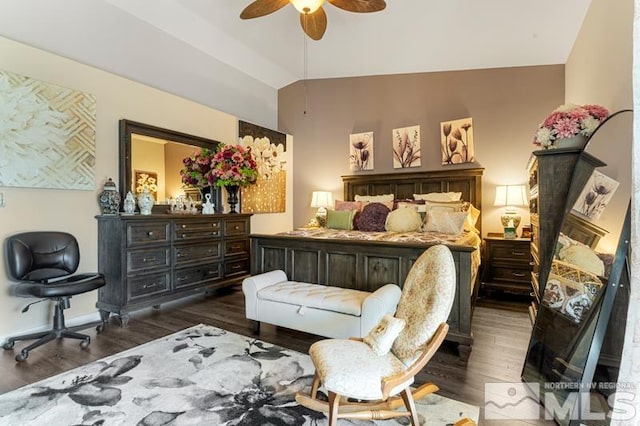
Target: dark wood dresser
column 158, row 258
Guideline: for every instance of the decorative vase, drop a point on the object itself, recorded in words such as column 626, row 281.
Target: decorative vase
column 233, row 197
column 575, row 142
column 145, row 202
column 109, row 198
column 129, row 206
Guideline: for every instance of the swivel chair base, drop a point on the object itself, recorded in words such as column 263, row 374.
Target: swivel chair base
column 59, row 331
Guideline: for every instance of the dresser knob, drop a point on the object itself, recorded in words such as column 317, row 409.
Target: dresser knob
column 236, row 227
column 150, row 233
column 184, row 226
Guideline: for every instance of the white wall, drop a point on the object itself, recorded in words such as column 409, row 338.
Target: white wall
column 73, row 211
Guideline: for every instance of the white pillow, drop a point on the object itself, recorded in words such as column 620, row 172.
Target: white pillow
column 403, row 220
column 449, row 206
column 420, row 208
column 381, row 337
column 445, row 222
column 439, row 196
column 374, row 198
column 583, row 257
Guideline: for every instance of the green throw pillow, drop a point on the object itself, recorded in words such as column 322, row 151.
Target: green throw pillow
column 340, row 219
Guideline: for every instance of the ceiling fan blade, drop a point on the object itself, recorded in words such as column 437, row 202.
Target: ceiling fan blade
column 359, row 6
column 262, row 7
column 314, row 24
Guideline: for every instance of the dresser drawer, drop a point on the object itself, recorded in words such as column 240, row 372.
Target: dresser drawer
column 197, row 274
column 147, row 233
column 236, row 247
column 198, row 252
column 144, row 259
column 236, row 267
column 236, row 227
column 149, row 285
column 185, row 231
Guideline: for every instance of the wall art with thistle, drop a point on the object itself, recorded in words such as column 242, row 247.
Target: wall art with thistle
column 596, row 195
column 456, row 139
column 406, row 147
column 361, row 151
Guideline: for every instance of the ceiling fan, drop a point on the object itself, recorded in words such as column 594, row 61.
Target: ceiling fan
column 312, row 17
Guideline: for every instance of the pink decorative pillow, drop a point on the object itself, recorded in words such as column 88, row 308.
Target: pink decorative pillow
column 348, row 205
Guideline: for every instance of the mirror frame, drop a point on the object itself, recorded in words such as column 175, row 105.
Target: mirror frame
column 600, row 313
column 128, row 127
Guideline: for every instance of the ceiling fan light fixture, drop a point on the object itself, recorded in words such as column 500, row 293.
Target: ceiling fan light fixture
column 307, row 6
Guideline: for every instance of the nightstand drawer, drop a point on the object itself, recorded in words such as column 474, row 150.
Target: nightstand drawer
column 512, row 275
column 521, row 252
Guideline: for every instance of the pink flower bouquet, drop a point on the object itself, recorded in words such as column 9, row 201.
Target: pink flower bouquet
column 567, row 121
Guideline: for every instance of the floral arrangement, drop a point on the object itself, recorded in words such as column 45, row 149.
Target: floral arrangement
column 198, row 169
column 233, row 165
column 569, row 120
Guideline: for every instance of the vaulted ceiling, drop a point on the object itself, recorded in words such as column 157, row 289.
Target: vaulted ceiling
column 138, row 37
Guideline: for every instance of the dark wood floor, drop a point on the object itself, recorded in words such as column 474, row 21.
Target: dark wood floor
column 501, row 331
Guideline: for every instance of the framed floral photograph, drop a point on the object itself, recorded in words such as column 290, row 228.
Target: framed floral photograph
column 596, row 195
column 406, row 147
column 361, row 151
column 456, row 141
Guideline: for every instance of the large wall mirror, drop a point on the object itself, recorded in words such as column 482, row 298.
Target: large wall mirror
column 154, row 155
column 579, row 329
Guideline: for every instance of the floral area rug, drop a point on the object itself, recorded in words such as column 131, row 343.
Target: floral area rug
column 200, row 376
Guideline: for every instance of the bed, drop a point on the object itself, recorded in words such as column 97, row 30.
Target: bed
column 369, row 260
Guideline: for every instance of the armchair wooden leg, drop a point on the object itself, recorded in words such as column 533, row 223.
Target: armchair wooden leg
column 315, row 385
column 334, row 403
column 407, row 397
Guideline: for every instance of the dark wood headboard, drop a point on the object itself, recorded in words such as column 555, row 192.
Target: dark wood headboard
column 404, row 185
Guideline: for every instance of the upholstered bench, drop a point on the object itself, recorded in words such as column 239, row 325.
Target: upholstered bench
column 313, row 308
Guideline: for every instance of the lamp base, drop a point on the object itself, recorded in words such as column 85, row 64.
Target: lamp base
column 321, row 217
column 510, row 221
column 508, row 217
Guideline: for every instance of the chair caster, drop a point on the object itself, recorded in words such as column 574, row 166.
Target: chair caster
column 85, row 343
column 8, row 345
column 100, row 328
column 22, row 356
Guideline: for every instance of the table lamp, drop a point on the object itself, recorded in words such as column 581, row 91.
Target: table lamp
column 510, row 196
column 321, row 200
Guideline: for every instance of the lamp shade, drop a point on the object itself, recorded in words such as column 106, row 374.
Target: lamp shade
column 511, row 195
column 321, row 199
column 307, row 6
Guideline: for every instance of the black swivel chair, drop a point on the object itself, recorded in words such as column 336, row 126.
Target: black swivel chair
column 43, row 264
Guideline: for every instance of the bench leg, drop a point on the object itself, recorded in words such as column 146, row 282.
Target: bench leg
column 256, row 327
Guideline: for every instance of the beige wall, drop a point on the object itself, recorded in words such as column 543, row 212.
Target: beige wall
column 506, row 105
column 73, row 211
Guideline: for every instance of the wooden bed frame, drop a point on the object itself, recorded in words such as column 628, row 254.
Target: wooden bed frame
column 368, row 265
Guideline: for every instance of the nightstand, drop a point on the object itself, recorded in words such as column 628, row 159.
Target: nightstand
column 506, row 264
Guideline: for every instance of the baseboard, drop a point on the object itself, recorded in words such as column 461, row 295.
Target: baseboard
column 70, row 322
